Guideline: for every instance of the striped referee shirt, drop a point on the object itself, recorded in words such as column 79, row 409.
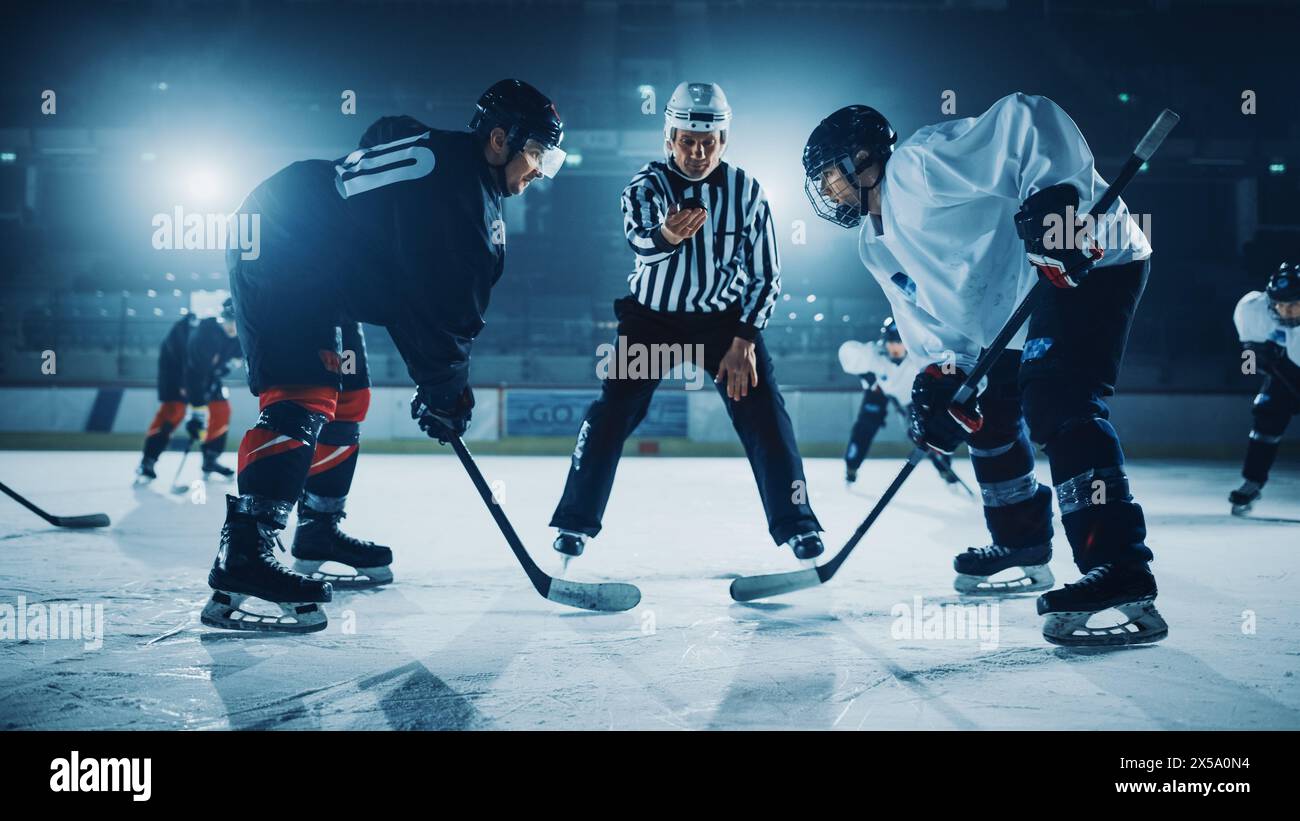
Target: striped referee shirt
column 731, row 261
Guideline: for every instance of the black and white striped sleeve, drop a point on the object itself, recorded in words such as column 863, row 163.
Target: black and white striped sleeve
column 644, row 207
column 762, row 263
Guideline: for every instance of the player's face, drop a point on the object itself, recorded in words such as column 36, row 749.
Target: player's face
column 1288, row 310
column 835, row 187
column 896, row 350
column 525, row 167
column 229, row 327
column 697, row 153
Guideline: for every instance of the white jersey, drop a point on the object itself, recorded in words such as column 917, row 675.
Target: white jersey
column 894, row 378
column 945, row 248
column 1256, row 323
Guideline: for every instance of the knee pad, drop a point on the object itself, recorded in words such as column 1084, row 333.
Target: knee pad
column 286, row 425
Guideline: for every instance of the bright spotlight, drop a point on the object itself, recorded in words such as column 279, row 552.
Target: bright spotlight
column 205, row 184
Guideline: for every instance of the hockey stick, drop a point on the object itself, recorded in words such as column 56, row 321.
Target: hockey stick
column 748, row 588
column 933, row 457
column 178, row 488
column 77, row 522
column 603, row 596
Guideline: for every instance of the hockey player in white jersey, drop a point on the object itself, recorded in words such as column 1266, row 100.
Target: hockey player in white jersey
column 1268, row 324
column 957, row 224
column 886, row 373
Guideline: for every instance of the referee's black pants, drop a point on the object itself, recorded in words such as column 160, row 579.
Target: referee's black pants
column 760, row 419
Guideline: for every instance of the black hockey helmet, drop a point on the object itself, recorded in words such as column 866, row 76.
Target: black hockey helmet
column 1284, row 286
column 889, row 331
column 228, row 310
column 525, row 114
column 833, row 144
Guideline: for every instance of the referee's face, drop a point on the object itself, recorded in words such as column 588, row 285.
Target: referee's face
column 697, row 153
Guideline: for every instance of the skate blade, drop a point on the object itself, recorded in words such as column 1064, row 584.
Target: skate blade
column 141, row 481
column 1035, row 578
column 226, row 610
column 1144, row 626
column 362, row 577
column 1242, row 510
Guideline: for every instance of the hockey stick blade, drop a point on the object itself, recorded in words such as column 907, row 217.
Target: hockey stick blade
column 81, row 522
column 605, row 597
column 748, row 588
column 87, row 521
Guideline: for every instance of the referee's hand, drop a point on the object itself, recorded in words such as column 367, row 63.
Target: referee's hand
column 739, row 368
column 682, row 223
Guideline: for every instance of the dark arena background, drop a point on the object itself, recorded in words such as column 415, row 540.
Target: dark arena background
column 122, row 123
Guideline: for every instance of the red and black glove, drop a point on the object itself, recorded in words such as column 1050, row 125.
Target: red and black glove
column 938, row 424
column 1048, row 224
column 442, row 419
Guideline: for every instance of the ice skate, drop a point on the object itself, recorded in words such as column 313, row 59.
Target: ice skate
column 806, row 546
column 145, row 473
column 1243, row 499
column 569, row 544
column 850, row 475
column 318, row 540
column 213, row 467
column 1129, row 588
column 246, row 567
column 977, row 566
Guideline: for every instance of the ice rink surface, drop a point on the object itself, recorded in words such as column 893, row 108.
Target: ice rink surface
column 461, row 640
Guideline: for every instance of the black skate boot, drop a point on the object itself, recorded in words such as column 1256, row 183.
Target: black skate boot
column 850, row 475
column 1245, row 497
column 976, row 566
column 145, row 473
column 245, row 567
column 569, row 544
column 318, row 540
column 806, row 546
column 1129, row 588
column 211, row 466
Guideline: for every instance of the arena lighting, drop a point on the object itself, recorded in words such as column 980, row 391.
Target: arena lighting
column 1277, row 168
column 573, row 159
column 8, row 156
column 204, row 184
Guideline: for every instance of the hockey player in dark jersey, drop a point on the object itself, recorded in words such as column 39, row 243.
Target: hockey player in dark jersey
column 406, row 232
column 194, row 357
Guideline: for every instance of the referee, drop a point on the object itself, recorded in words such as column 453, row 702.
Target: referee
column 707, row 275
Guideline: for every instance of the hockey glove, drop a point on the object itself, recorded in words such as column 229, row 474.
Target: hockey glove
column 197, row 427
column 1047, row 223
column 1267, row 354
column 439, row 420
column 937, row 424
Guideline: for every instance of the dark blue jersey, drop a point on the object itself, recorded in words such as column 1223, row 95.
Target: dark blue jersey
column 405, row 232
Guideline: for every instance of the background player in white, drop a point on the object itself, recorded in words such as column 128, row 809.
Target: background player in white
column 1268, row 324
column 886, row 373
column 956, row 227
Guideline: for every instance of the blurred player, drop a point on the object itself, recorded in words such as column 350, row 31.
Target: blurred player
column 1267, row 324
column 886, row 372
column 194, row 357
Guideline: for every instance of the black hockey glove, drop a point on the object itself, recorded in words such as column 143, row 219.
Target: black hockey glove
column 936, row 423
column 439, row 420
column 1267, row 354
column 198, row 424
column 1048, row 224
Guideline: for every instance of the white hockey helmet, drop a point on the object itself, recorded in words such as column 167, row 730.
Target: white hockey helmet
column 696, row 107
